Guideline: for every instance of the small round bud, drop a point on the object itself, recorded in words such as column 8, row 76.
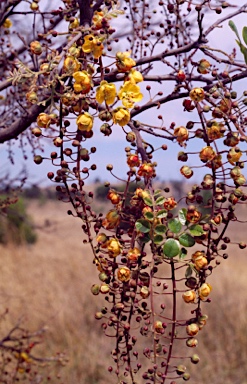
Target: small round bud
column 109, row 167
column 38, row 159
column 195, row 359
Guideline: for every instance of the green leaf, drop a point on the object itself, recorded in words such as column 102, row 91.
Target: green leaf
column 234, row 28
column 145, row 238
column 244, row 34
column 157, row 192
column 182, row 216
column 149, row 215
column 158, row 239
column 148, row 201
column 196, row 230
column 160, row 200
column 186, row 240
column 174, row 225
column 183, row 253
column 171, row 248
column 160, row 229
column 243, row 50
column 188, row 272
column 143, row 226
column 161, row 214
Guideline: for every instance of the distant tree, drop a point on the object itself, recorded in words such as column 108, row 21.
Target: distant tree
column 99, row 66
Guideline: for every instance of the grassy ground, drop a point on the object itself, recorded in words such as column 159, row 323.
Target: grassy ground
column 49, row 283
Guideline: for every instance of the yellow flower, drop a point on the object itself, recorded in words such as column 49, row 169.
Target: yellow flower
column 36, row 47
column 7, row 23
column 146, row 170
column 106, row 92
column 93, row 45
column 114, row 247
column 189, row 296
column 214, row 132
column 112, row 219
column 97, row 19
column 181, row 134
column 133, row 254
column 129, row 94
column 199, row 259
column 134, row 76
column 74, row 24
column 71, row 65
column 234, row 155
column 121, row 116
column 85, row 122
column 74, row 51
column 43, row 120
column 133, row 161
column 82, row 82
column 113, row 196
column 124, row 62
column 203, row 66
column 170, row 203
column 207, row 154
column 102, row 239
column 197, row 94
column 204, row 291
column 123, row 274
column 192, row 329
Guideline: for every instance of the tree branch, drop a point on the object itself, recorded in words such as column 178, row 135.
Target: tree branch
column 21, row 124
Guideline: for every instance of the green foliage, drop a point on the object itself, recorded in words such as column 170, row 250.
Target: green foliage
column 15, row 224
column 243, row 49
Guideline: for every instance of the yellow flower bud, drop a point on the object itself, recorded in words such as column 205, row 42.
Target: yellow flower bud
column 193, row 216
column 146, row 170
column 144, row 292
column 158, row 326
column 43, row 120
column 102, row 239
column 36, row 47
column 189, row 296
column 192, row 329
column 71, row 65
column 181, row 134
column 74, row 24
column 203, row 66
column 214, row 132
column 113, row 197
column 7, row 23
column 186, row 171
column 234, row 155
column 200, row 262
column 112, row 219
column 170, row 203
column 207, row 154
column 133, row 254
column 133, row 161
column 85, row 122
column 204, row 291
column 32, row 97
column 34, row 6
column 123, row 274
column 114, row 247
column 197, row 94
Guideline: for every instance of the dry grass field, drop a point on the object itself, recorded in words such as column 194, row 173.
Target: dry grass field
column 49, row 283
